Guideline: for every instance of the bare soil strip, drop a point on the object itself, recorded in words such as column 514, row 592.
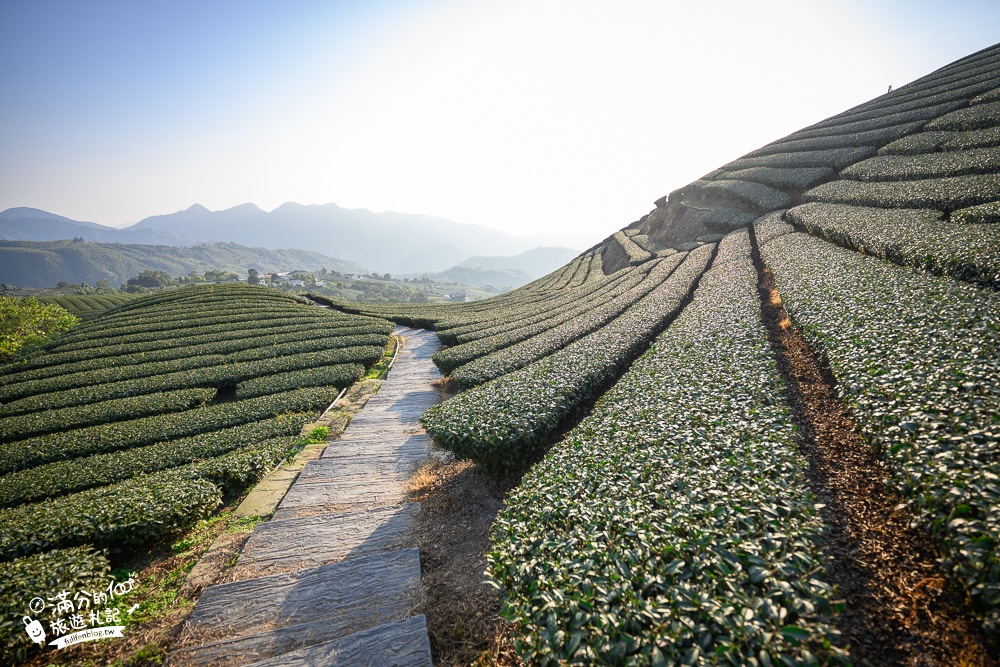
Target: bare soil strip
column 459, row 504
column 900, row 609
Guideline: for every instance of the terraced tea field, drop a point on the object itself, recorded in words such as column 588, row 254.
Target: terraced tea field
column 140, row 422
column 673, row 463
column 758, row 426
column 88, row 306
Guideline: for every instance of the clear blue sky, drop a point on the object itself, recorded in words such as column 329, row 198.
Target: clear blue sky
column 567, row 117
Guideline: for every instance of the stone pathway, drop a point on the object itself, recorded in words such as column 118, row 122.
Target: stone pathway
column 333, row 578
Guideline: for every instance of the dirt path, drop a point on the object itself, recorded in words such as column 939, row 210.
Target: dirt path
column 899, row 608
column 334, row 577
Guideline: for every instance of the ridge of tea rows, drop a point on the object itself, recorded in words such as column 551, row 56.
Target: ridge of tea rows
column 672, row 526
column 199, row 393
column 911, row 237
column 50, row 480
column 88, row 306
column 544, row 343
column 566, row 316
column 503, row 423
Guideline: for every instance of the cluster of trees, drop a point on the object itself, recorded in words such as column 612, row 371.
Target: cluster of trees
column 100, row 287
column 153, row 280
column 387, row 291
column 26, row 323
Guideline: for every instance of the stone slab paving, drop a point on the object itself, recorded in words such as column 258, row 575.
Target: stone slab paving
column 278, row 546
column 403, row 643
column 330, row 580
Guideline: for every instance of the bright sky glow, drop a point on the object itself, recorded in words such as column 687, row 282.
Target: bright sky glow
column 565, row 117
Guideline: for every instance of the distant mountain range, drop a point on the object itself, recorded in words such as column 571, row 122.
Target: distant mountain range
column 537, row 262
column 31, row 224
column 396, row 243
column 505, row 271
column 35, row 264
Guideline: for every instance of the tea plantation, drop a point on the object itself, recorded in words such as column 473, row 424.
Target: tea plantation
column 88, row 306
column 665, row 516
column 141, row 421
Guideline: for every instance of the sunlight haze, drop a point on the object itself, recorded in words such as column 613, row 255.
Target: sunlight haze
column 563, row 118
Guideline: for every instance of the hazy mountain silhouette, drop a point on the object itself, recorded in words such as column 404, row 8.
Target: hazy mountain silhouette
column 536, row 262
column 384, row 242
column 32, row 224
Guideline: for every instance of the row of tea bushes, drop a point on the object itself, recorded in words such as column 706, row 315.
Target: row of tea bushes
column 925, row 165
column 832, row 158
column 532, row 323
column 55, row 479
column 944, row 194
column 581, row 275
column 536, row 308
column 976, row 117
column 198, row 371
column 929, row 142
column 52, row 420
column 884, row 118
column 737, row 194
column 912, row 237
column 916, row 358
column 223, row 341
column 118, row 353
column 503, row 424
column 635, row 254
column 510, row 358
column 88, row 306
column 785, row 179
column 140, row 509
column 672, row 526
column 339, row 375
column 114, row 436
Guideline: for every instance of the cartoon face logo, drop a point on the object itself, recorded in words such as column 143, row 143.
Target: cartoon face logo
column 35, row 630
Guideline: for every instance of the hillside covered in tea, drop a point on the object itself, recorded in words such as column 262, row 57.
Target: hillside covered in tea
column 760, row 425
column 137, row 424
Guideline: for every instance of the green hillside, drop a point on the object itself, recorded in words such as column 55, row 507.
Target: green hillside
column 30, row 264
column 138, row 424
column 652, row 390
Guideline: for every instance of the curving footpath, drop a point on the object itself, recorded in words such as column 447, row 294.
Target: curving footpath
column 333, row 578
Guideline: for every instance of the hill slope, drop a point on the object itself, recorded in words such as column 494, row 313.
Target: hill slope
column 536, row 262
column 508, row 271
column 32, row 224
column 43, row 264
column 672, row 520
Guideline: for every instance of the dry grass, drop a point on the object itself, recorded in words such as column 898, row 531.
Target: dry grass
column 459, row 505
